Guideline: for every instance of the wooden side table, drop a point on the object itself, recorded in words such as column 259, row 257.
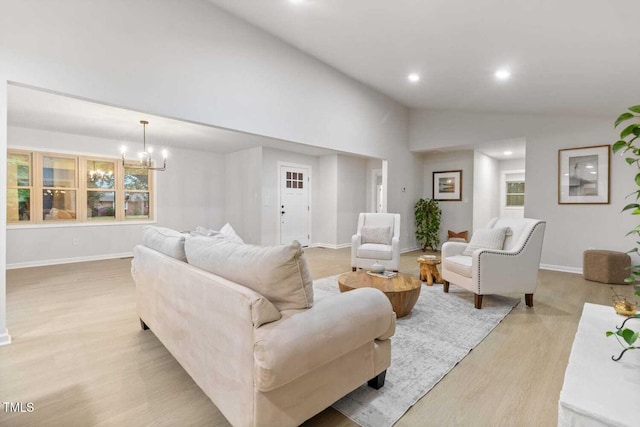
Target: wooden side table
column 429, row 270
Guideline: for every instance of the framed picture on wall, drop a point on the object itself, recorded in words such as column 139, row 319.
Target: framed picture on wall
column 583, row 175
column 447, row 185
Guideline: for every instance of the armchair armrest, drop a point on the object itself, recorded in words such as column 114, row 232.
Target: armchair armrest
column 356, row 240
column 453, row 248
column 505, row 271
column 305, row 340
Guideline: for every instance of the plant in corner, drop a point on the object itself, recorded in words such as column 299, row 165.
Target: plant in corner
column 627, row 145
column 427, row 215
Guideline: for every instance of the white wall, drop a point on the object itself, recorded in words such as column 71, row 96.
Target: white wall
column 325, row 190
column 486, row 189
column 456, row 216
column 372, row 164
column 270, row 183
column 243, row 202
column 512, row 164
column 189, row 193
column 352, row 195
column 570, row 228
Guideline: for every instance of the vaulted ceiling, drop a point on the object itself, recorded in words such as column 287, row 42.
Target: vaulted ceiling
column 575, row 57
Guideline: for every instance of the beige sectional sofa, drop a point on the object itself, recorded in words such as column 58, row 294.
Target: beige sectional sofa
column 244, row 322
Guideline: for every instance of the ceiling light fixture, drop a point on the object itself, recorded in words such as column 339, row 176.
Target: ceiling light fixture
column 413, row 77
column 503, row 74
column 508, row 153
column 145, row 155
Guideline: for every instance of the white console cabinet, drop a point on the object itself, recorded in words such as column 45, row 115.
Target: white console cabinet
column 598, row 391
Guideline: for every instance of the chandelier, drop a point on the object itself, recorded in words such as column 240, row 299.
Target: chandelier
column 146, row 161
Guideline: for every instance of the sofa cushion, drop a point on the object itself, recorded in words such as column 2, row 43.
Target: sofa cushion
column 374, row 251
column 459, row 264
column 381, row 235
column 488, row 238
column 303, row 341
column 203, row 231
column 165, row 240
column 279, row 273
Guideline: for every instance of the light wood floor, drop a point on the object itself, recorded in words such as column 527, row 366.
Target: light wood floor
column 79, row 355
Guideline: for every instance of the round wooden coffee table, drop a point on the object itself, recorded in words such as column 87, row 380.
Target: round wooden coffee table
column 402, row 290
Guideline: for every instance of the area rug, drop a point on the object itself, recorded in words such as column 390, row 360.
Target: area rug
column 428, row 343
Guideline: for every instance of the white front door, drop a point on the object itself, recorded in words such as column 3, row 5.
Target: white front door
column 294, row 205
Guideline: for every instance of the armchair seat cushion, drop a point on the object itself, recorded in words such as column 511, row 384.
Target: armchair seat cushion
column 459, row 264
column 374, row 251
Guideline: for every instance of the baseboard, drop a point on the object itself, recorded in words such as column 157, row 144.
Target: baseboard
column 562, row 268
column 67, row 260
column 5, row 339
column 405, row 250
column 330, row 246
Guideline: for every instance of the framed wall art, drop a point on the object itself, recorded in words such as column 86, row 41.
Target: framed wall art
column 583, row 175
column 447, row 185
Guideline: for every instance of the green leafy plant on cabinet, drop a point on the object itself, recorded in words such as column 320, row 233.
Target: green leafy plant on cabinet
column 628, row 147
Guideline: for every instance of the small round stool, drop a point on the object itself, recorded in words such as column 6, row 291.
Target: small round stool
column 429, row 270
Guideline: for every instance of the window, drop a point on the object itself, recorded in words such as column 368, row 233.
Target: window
column 515, row 194
column 75, row 189
column 19, row 189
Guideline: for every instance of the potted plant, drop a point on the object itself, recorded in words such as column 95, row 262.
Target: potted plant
column 627, row 145
column 428, row 215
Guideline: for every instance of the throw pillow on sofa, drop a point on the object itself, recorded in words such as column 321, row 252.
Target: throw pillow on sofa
column 489, row 238
column 279, row 273
column 228, row 232
column 165, row 240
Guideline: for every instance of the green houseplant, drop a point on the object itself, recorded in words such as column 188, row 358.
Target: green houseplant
column 628, row 146
column 427, row 215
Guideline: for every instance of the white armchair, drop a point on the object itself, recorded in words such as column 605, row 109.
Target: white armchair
column 380, row 242
column 513, row 268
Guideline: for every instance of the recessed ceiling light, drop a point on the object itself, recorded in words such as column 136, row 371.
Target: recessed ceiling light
column 508, row 153
column 503, row 74
column 589, row 166
column 413, row 77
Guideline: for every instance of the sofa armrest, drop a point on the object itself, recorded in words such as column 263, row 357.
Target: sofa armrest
column 303, row 341
column 453, row 248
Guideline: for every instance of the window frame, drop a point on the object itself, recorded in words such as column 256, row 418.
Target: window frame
column 82, row 190
column 507, row 194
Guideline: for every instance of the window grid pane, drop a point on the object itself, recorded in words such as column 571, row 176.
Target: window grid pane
column 58, row 172
column 101, row 205
column 58, row 205
column 136, row 178
column 136, row 205
column 18, row 170
column 18, row 204
column 100, row 174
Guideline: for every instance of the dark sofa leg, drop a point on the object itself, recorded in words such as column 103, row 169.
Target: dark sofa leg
column 143, row 325
column 445, row 286
column 528, row 299
column 378, row 381
column 477, row 301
